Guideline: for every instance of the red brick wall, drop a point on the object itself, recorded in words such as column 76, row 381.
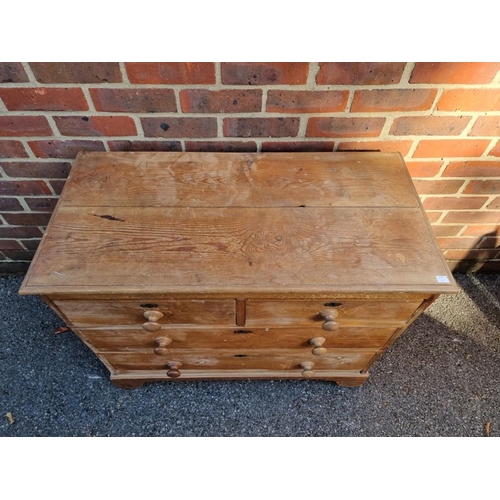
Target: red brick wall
column 443, row 117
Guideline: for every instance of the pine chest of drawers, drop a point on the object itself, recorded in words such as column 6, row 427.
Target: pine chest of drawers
column 174, row 266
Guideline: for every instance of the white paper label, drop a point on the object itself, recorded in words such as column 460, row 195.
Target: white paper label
column 442, row 279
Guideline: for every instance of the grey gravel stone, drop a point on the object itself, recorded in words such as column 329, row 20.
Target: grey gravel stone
column 441, row 378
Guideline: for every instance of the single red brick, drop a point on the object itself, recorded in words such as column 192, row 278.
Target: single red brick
column 23, row 188
column 424, row 168
column 261, row 127
column 221, row 101
column 13, row 267
column 496, row 150
column 19, row 255
column 41, row 204
column 494, row 204
column 481, row 230
column 455, row 202
column 470, row 100
column 63, row 149
column 489, row 241
column 37, row 169
column 472, row 217
column 454, row 72
column 10, row 205
column 439, row 230
column 267, row 73
column 359, row 73
column 20, row 232
column 31, row 244
column 488, row 186
column 12, row 73
column 379, row 100
column 486, row 125
column 142, row 100
column 57, row 185
column 402, row 147
column 95, row 125
column 43, row 99
column 344, row 127
column 179, row 127
column 469, row 266
column 10, row 245
column 433, row 216
column 457, row 243
column 472, row 254
column 457, row 266
column 171, row 73
column 221, row 146
column 450, row 147
column 12, row 149
column 429, row 125
column 12, row 126
column 27, row 219
column 437, row 186
column 472, row 169
column 76, row 72
column 298, row 146
column 307, row 101
column 145, row 145
column 492, row 266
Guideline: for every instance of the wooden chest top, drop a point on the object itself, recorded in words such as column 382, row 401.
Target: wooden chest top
column 230, row 223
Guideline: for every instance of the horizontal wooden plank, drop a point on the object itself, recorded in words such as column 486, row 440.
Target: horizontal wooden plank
column 238, row 179
column 131, row 312
column 132, row 339
column 252, row 359
column 229, row 249
column 136, row 379
column 306, row 313
column 162, row 294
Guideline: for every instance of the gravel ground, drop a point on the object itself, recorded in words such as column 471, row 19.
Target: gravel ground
column 441, row 378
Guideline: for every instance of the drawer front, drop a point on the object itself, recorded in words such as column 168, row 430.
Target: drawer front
column 122, row 339
column 307, row 313
column 339, row 359
column 132, row 312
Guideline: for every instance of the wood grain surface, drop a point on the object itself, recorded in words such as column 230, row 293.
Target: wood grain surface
column 119, row 339
column 228, row 359
column 225, row 249
column 129, row 312
column 224, row 222
column 191, row 265
column 306, row 313
column 237, row 179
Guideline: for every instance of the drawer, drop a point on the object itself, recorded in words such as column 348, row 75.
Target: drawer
column 132, row 312
column 122, row 339
column 224, row 359
column 307, row 313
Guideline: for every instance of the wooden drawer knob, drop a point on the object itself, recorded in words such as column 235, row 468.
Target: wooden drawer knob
column 308, row 371
column 162, row 343
column 173, row 371
column 329, row 325
column 318, row 342
column 152, row 324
